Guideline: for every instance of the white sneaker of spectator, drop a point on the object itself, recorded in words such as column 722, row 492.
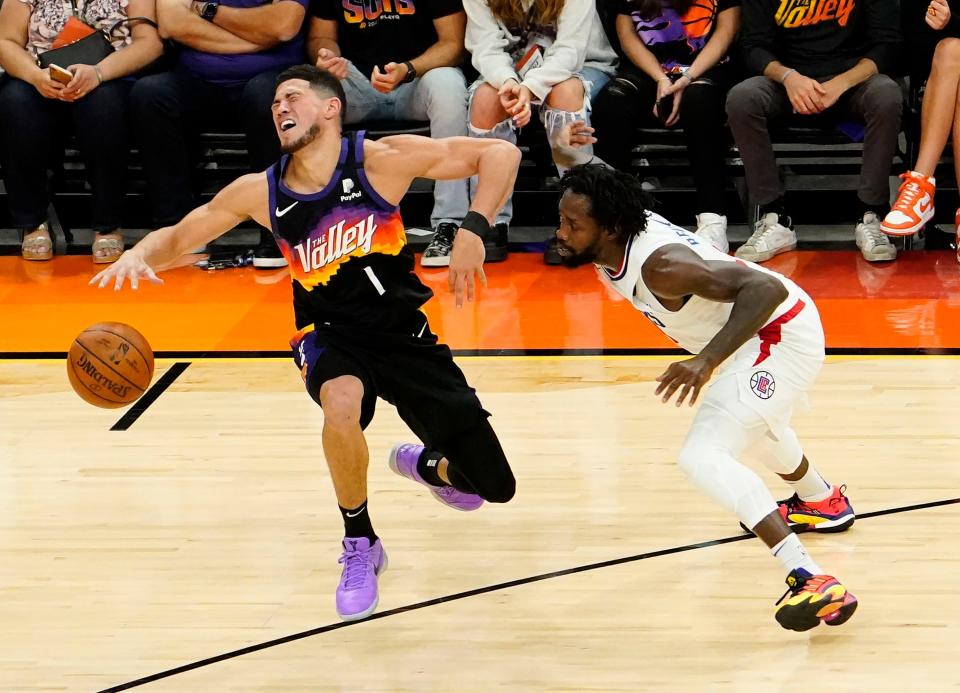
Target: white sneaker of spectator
column 713, row 229
column 874, row 244
column 769, row 238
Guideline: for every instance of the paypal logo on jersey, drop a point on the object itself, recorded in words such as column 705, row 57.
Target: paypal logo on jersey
column 336, row 243
column 348, row 193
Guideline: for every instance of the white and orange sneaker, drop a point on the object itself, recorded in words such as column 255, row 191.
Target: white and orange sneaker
column 914, row 205
column 956, row 222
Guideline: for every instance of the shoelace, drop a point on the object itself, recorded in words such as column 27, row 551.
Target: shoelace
column 811, row 584
column 909, row 192
column 873, row 232
column 761, row 232
column 443, row 239
column 356, row 568
column 446, row 492
column 794, row 503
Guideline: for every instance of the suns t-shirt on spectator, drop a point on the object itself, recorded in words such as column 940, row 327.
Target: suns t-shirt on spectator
column 675, row 38
column 237, row 70
column 376, row 32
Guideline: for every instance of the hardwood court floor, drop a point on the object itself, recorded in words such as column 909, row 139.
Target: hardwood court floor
column 208, row 525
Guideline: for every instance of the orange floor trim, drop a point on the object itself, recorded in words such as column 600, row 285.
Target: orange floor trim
column 913, row 303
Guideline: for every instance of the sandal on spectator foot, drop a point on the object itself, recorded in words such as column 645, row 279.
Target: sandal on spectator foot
column 107, row 248
column 37, row 244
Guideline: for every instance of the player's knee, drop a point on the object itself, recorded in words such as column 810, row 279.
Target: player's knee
column 499, row 490
column 784, row 453
column 694, row 457
column 478, row 459
column 341, row 400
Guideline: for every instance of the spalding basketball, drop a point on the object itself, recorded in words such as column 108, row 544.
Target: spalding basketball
column 110, row 364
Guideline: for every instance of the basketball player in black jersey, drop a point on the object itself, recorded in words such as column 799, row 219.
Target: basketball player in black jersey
column 332, row 204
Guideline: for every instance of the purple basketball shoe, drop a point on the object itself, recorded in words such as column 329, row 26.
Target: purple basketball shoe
column 403, row 460
column 357, row 594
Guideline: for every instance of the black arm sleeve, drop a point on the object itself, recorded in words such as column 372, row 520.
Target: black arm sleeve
column 883, row 27
column 757, row 34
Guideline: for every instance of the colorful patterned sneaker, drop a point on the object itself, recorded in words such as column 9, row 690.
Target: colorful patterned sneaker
column 810, row 599
column 956, row 221
column 833, row 514
column 914, row 205
column 403, row 460
column 357, row 593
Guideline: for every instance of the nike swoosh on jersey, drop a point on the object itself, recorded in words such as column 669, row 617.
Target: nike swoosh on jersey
column 281, row 212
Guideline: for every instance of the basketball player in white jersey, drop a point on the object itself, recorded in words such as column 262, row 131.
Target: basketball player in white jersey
column 754, row 331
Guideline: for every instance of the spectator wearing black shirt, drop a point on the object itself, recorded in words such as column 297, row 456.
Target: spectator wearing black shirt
column 816, row 58
column 399, row 60
column 926, row 25
column 674, row 70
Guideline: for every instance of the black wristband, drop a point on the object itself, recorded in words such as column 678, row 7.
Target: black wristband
column 476, row 223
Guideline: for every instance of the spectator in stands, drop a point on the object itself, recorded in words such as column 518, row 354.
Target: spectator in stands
column 399, row 61
column 817, row 58
column 228, row 57
column 36, row 110
column 941, row 107
column 550, row 53
column 674, row 71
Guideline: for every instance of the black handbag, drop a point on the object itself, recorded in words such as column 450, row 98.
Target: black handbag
column 89, row 50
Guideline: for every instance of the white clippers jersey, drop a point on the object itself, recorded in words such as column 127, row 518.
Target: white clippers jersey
column 694, row 325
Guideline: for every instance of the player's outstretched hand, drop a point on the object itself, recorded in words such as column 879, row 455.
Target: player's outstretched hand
column 466, row 260
column 130, row 266
column 691, row 375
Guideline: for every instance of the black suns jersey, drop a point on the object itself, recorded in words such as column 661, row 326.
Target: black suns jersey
column 346, row 248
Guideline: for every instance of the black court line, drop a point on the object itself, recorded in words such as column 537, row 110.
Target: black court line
column 286, row 354
column 150, row 396
column 474, row 592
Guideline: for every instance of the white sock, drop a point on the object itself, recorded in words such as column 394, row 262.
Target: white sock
column 792, row 555
column 811, row 486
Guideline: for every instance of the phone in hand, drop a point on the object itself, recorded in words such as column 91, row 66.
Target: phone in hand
column 59, row 74
column 664, row 108
column 665, row 105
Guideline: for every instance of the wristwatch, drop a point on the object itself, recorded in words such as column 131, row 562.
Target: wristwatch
column 208, row 10
column 411, row 72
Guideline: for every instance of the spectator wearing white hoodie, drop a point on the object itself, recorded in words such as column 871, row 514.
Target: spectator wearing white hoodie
column 548, row 53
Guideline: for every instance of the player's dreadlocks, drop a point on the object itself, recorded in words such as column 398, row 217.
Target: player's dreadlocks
column 617, row 200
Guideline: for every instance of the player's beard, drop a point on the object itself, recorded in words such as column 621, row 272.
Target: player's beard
column 584, row 257
column 298, row 144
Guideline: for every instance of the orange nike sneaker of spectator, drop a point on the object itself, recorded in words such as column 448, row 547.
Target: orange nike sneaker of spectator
column 914, row 205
